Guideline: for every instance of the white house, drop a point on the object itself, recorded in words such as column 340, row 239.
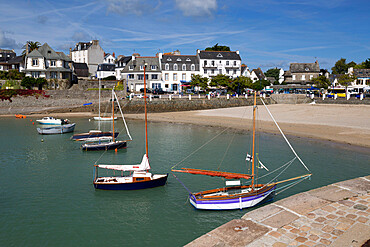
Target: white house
column 120, row 65
column 90, row 53
column 212, row 63
column 45, row 62
column 177, row 70
column 257, row 74
column 105, row 70
column 109, row 58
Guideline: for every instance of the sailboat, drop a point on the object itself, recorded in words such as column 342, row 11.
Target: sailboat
column 137, row 176
column 110, row 145
column 235, row 195
column 100, row 118
column 96, row 135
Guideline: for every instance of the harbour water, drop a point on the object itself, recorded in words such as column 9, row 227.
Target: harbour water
column 47, row 197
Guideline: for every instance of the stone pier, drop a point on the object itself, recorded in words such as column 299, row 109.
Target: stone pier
column 334, row 215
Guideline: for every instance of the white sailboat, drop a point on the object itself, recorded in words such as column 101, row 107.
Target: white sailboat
column 100, row 118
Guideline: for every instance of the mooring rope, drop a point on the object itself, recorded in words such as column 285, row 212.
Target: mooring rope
column 182, row 183
column 288, row 186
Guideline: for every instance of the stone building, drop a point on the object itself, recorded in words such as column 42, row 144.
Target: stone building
column 302, row 73
column 90, row 53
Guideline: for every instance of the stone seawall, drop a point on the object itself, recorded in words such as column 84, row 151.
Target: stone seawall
column 290, row 98
column 73, row 100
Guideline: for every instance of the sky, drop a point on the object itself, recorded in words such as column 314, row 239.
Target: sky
column 267, row 33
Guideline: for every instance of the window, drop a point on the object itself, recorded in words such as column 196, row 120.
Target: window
column 166, row 77
column 311, row 76
column 184, row 77
column 140, row 77
column 213, row 63
column 53, row 75
column 154, row 77
column 205, row 71
column 184, row 67
column 227, row 62
column 166, row 85
column 175, row 77
column 35, row 74
column 156, row 85
column 131, row 76
column 188, row 60
column 293, row 77
column 192, row 67
column 220, row 71
column 167, row 66
column 179, row 59
column 303, row 77
column 131, row 67
column 219, row 55
column 175, row 67
column 212, row 71
column 234, row 63
column 205, row 63
column 153, row 67
column 141, row 67
column 234, row 71
column 52, row 63
column 169, row 59
column 35, row 62
column 227, row 71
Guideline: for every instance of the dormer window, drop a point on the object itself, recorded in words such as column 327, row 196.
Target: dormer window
column 35, row 62
column 153, row 67
column 188, row 60
column 167, row 66
column 192, row 67
column 175, row 67
column 49, row 52
column 52, row 63
column 219, row 55
column 306, row 69
column 141, row 67
column 169, row 59
column 179, row 59
column 131, row 67
column 184, row 67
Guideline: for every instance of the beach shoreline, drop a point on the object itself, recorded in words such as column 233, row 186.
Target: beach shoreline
column 346, row 124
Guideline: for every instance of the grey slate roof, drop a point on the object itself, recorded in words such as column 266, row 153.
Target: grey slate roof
column 35, row 53
column 220, row 55
column 304, row 67
column 48, row 52
column 123, row 60
column 259, row 73
column 16, row 60
column 140, row 61
column 64, row 56
column 106, row 67
column 361, row 73
column 6, row 55
column 188, row 60
column 81, row 69
column 82, row 46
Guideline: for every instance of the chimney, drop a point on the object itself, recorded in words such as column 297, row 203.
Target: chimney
column 27, row 48
column 70, row 52
column 95, row 42
column 113, row 55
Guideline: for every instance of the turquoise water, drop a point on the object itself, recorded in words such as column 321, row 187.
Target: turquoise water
column 47, row 197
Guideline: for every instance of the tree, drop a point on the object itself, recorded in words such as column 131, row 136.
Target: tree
column 341, row 67
column 221, row 80
column 260, row 84
column 273, row 73
column 39, row 82
column 239, row 84
column 346, row 80
column 321, row 81
column 199, row 81
column 363, row 65
column 28, row 82
column 31, row 46
column 217, row 47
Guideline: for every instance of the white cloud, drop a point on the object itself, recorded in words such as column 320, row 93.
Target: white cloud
column 137, row 7
column 6, row 42
column 197, row 7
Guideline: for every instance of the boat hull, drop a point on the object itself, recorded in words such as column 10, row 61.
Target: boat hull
column 104, row 118
column 241, row 201
column 161, row 181
column 104, row 146
column 93, row 136
column 57, row 129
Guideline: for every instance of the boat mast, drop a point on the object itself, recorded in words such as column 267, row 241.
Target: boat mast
column 113, row 113
column 254, row 135
column 99, row 105
column 146, row 118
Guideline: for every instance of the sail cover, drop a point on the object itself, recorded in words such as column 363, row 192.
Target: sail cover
column 228, row 175
column 143, row 166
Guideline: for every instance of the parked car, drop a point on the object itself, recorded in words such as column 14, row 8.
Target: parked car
column 158, row 91
column 147, row 90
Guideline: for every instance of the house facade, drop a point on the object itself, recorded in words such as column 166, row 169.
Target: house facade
column 109, row 59
column 302, row 73
column 5, row 57
column 90, row 53
column 45, row 62
column 120, row 65
column 177, row 70
column 362, row 75
column 134, row 73
column 105, row 70
column 257, row 74
column 212, row 63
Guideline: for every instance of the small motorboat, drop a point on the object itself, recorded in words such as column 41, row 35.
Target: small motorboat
column 65, row 128
column 20, row 116
column 52, row 120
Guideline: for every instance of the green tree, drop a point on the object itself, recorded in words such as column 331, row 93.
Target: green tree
column 346, row 80
column 260, row 84
column 273, row 73
column 341, row 66
column 217, row 47
column 363, row 65
column 240, row 83
column 321, row 81
column 28, row 82
column 199, row 81
column 31, row 46
column 40, row 82
column 221, row 80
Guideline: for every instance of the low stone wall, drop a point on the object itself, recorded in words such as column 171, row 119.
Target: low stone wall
column 290, row 98
column 351, row 101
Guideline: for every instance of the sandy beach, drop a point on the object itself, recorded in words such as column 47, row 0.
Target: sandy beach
column 349, row 124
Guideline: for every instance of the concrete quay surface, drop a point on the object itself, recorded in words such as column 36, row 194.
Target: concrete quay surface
column 335, row 215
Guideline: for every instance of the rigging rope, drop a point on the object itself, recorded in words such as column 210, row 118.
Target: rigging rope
column 199, row 148
column 288, row 186
column 124, row 121
column 284, row 136
column 182, row 183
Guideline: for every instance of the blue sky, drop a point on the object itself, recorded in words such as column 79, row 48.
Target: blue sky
column 268, row 33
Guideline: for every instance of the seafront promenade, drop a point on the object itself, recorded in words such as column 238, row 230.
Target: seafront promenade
column 334, row 215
